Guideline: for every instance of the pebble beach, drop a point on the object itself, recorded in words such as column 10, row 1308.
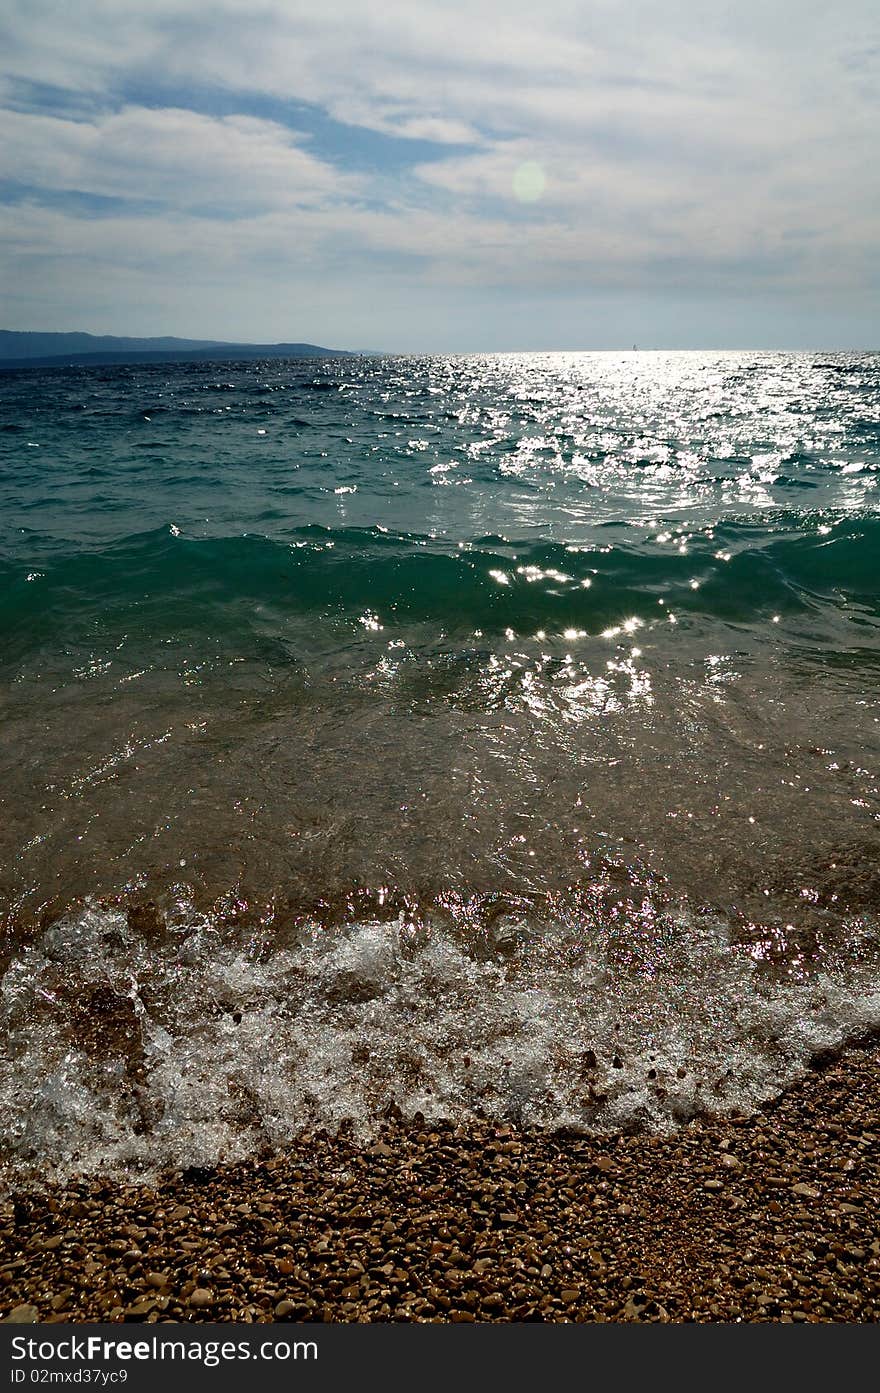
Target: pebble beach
column 771, row 1217
column 439, row 769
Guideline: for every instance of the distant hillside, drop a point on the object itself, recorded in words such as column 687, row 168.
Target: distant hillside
column 22, row 349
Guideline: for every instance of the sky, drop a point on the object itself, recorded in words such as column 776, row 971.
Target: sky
column 443, row 175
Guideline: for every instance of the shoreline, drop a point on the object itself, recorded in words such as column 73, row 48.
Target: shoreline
column 770, row 1217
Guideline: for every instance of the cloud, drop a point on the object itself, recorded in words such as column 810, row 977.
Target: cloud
column 170, row 156
column 686, row 148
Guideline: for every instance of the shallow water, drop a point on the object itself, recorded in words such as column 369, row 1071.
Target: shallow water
column 490, row 734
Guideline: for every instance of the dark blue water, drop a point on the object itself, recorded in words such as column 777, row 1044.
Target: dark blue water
column 520, row 710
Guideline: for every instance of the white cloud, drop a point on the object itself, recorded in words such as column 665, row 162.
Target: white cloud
column 684, row 146
column 169, row 155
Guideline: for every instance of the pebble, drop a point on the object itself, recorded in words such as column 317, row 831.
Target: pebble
column 482, row 1223
column 22, row 1315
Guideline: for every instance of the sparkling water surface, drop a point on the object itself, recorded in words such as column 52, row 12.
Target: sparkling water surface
column 438, row 734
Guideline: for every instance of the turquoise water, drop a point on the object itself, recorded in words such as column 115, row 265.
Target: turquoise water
column 175, row 477
column 520, row 709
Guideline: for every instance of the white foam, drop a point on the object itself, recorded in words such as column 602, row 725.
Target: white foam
column 244, row 1044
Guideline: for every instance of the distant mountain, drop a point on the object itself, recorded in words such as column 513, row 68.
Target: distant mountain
column 22, row 350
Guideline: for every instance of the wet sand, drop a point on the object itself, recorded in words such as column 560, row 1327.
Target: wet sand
column 767, row 1218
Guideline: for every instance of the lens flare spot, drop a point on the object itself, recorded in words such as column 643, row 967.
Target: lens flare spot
column 529, row 182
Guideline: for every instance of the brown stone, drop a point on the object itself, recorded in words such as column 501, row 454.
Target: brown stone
column 22, row 1315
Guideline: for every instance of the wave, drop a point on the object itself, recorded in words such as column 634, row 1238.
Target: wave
column 132, row 1044
column 739, row 573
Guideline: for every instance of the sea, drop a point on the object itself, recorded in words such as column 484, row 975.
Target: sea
column 431, row 738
